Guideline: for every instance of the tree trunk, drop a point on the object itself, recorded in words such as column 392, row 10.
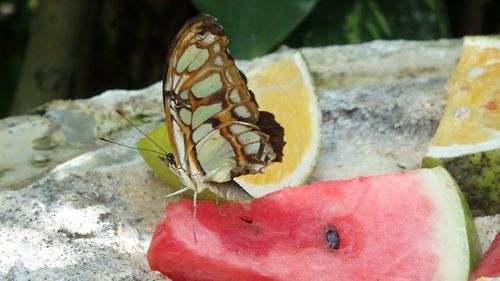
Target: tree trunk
column 54, row 52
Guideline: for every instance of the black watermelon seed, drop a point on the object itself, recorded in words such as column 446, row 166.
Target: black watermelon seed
column 332, row 238
column 247, row 220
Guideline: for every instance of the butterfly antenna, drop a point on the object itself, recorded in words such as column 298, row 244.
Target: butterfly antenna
column 132, row 147
column 144, row 134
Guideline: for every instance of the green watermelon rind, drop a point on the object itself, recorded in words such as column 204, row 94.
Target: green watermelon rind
column 450, row 201
column 472, row 235
column 478, row 175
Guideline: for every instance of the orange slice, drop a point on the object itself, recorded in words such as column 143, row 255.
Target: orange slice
column 284, row 87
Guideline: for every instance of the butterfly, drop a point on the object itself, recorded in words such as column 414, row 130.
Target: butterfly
column 213, row 120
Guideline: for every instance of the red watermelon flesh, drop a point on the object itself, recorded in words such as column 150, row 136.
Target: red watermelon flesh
column 410, row 226
column 490, row 264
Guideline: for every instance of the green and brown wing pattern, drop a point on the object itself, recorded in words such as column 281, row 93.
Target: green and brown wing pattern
column 213, row 119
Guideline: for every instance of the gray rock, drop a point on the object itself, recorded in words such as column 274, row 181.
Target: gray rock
column 75, row 208
column 90, row 218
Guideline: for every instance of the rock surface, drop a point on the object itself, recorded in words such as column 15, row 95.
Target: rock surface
column 75, row 208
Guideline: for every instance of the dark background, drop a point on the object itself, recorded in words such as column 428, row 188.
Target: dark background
column 60, row 49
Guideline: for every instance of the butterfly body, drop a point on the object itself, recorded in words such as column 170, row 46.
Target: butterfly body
column 213, row 119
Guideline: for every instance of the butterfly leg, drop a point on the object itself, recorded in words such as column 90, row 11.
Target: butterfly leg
column 194, row 215
column 217, row 204
column 177, row 192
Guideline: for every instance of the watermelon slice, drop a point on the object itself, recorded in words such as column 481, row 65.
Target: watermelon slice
column 490, row 264
column 410, row 226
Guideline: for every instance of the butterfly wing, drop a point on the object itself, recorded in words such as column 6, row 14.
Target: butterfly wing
column 213, row 119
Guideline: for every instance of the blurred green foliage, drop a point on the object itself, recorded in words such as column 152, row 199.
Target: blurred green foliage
column 256, row 27
column 350, row 22
column 128, row 39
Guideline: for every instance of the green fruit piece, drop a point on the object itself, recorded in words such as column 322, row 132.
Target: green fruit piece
column 160, row 136
column 467, row 140
column 478, row 175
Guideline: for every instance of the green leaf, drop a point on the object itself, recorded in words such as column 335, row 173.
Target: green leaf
column 255, row 27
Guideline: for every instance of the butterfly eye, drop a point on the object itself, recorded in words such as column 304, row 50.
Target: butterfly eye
column 171, row 159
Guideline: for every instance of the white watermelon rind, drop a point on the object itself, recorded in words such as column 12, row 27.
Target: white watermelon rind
column 459, row 229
